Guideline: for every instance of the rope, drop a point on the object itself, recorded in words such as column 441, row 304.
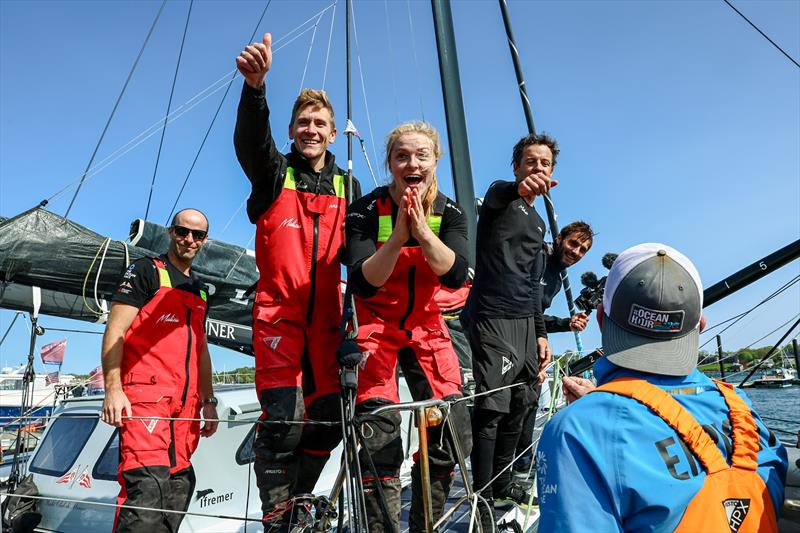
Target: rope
column 99, row 311
column 114, row 110
column 32, row 416
column 764, row 35
column 169, row 106
column 211, row 125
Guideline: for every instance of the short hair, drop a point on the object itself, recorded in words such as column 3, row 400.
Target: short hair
column 422, row 128
column 531, row 139
column 579, row 228
column 312, row 98
column 175, row 218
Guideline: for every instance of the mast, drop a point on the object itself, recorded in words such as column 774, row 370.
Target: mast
column 548, row 203
column 454, row 115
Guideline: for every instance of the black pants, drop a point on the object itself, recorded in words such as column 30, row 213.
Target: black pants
column 461, row 346
column 525, row 443
column 290, row 457
column 504, row 353
column 154, row 487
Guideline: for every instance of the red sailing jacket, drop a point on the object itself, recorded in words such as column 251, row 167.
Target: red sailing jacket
column 162, row 346
column 297, row 243
column 407, row 297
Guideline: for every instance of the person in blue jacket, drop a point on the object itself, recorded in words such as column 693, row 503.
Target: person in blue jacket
column 607, row 462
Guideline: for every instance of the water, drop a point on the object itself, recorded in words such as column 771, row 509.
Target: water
column 779, row 409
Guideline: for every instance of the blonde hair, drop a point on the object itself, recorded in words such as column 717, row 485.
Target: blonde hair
column 422, row 128
column 315, row 98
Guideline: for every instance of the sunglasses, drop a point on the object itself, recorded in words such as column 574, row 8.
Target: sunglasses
column 182, row 232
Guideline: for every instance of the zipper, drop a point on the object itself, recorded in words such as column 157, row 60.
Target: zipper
column 188, row 354
column 412, row 271
column 313, row 274
column 314, row 251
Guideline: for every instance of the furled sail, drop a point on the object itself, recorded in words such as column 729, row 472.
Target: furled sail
column 67, row 270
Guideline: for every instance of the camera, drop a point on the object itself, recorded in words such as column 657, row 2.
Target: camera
column 592, row 293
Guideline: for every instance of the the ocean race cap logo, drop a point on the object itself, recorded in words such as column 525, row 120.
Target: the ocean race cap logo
column 736, row 510
column 655, row 321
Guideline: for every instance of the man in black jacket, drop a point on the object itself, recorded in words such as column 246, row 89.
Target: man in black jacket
column 297, row 203
column 503, row 313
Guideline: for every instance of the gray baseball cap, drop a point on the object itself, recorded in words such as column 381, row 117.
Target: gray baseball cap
column 652, row 304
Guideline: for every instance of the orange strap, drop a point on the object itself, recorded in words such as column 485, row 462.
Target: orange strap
column 678, row 418
column 744, row 431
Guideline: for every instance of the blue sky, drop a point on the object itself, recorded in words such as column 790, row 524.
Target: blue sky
column 677, row 121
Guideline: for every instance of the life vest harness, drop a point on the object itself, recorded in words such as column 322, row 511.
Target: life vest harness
column 178, row 329
column 385, row 225
column 733, row 498
column 405, row 298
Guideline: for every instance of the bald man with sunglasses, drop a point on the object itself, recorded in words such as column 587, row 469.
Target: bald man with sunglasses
column 157, row 370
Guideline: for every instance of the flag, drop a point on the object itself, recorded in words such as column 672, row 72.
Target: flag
column 96, row 378
column 66, row 478
column 51, row 378
column 54, row 352
column 85, row 481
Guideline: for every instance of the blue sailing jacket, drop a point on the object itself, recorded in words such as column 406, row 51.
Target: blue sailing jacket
column 606, row 463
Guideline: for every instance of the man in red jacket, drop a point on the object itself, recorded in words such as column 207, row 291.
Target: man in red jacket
column 297, row 203
column 156, row 364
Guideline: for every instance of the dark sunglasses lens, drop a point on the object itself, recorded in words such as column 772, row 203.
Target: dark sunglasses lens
column 182, row 232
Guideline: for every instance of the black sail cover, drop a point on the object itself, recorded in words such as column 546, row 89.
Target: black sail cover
column 64, row 269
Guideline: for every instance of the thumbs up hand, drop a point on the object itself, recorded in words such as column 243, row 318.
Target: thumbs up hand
column 255, row 61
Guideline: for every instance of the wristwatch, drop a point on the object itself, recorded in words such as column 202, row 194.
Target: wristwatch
column 211, row 401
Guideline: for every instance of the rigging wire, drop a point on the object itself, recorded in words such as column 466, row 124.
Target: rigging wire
column 147, row 133
column 211, row 125
column 74, row 330
column 328, row 52
column 114, row 110
column 308, row 56
column 193, row 102
column 741, row 316
column 414, row 53
column 764, row 35
column 169, row 106
column 769, row 354
column 391, row 61
column 364, row 89
column 16, row 316
column 711, row 357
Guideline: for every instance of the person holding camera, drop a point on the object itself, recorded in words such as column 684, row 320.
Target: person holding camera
column 571, row 244
column 504, row 318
